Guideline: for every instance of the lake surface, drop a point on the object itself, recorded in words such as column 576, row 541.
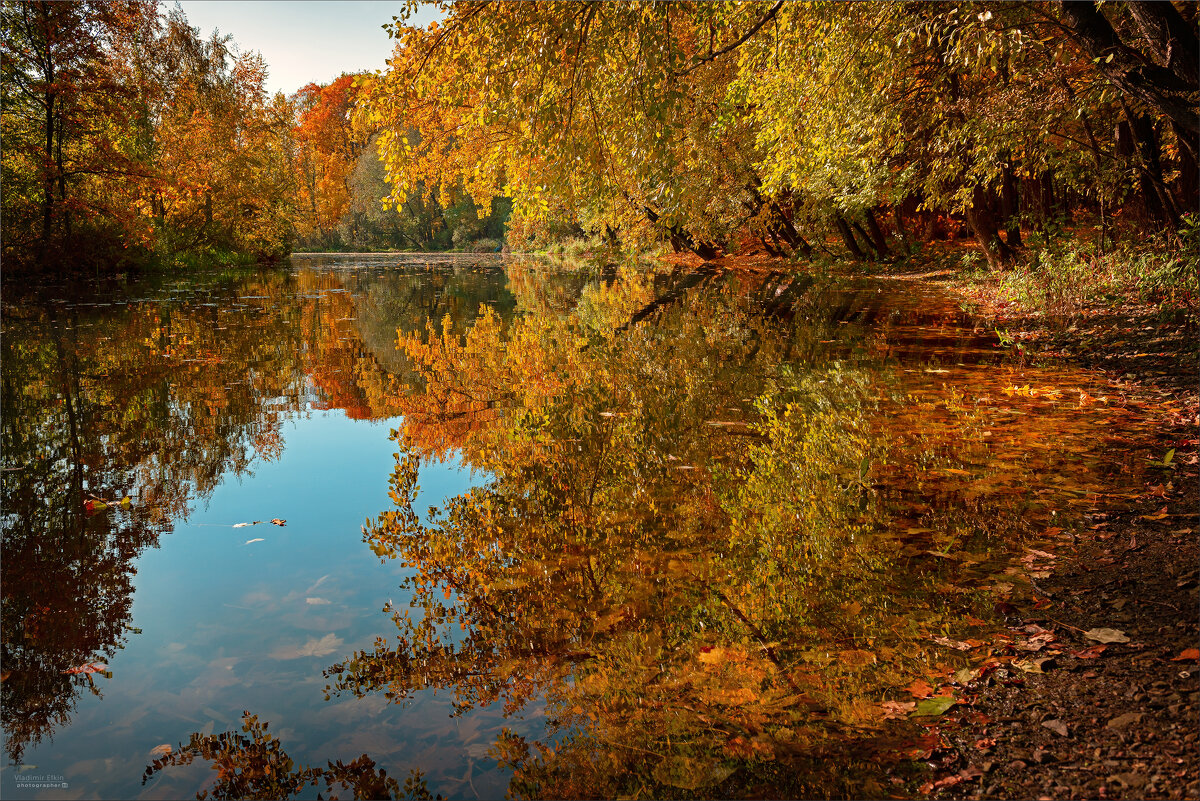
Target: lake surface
column 695, row 530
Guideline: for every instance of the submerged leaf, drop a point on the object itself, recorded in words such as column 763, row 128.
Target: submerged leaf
column 932, row 707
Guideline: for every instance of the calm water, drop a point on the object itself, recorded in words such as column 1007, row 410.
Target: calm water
column 695, row 530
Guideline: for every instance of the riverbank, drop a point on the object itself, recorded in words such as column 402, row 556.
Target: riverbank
column 1117, row 719
column 1090, row 719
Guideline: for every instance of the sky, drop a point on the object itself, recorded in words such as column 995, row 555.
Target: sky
column 306, row 41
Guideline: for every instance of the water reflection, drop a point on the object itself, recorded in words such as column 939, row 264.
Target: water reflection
column 154, row 401
column 730, row 519
column 719, row 524
column 124, row 407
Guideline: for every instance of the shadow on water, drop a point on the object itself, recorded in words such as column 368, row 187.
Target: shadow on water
column 740, row 535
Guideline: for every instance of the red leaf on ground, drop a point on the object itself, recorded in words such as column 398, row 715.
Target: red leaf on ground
column 919, row 689
column 1188, row 655
column 1089, row 653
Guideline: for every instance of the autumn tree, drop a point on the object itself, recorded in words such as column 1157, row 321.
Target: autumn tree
column 694, row 123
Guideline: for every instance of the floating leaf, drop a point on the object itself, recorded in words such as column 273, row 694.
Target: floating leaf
column 932, row 707
column 897, row 709
column 955, row 644
column 1106, row 635
column 278, row 521
column 93, row 667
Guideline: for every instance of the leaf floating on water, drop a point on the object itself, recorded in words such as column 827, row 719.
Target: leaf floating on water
column 856, row 658
column 160, row 750
column 933, row 707
column 278, row 521
column 93, row 667
column 1106, row 635
column 897, row 709
column 243, row 525
column 957, row 645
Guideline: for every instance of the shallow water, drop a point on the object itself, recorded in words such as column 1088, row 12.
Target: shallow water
column 706, row 524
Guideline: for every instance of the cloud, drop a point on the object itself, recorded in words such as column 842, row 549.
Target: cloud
column 313, row 647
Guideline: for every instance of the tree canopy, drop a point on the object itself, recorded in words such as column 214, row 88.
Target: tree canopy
column 700, row 121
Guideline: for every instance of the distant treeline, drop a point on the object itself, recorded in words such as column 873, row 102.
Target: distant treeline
column 128, row 139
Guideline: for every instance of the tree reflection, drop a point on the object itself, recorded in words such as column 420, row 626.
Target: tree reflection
column 254, row 765
column 155, row 401
column 158, row 397
column 679, row 507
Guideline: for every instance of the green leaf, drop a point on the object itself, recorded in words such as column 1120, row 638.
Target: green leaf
column 932, row 707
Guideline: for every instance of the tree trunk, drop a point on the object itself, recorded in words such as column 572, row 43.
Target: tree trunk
column 48, row 178
column 867, row 238
column 848, row 238
column 1010, row 208
column 900, row 229
column 877, row 237
column 1168, row 90
column 981, row 215
column 680, row 239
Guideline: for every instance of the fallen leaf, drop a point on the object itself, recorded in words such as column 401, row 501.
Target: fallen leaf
column 94, row 667
column 278, row 521
column 919, row 689
column 897, row 709
column 932, row 707
column 1034, row 665
column 1188, row 655
column 965, row 675
column 955, row 644
column 1056, row 726
column 1089, row 653
column 1106, row 635
column 1122, row 721
column 160, row 750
